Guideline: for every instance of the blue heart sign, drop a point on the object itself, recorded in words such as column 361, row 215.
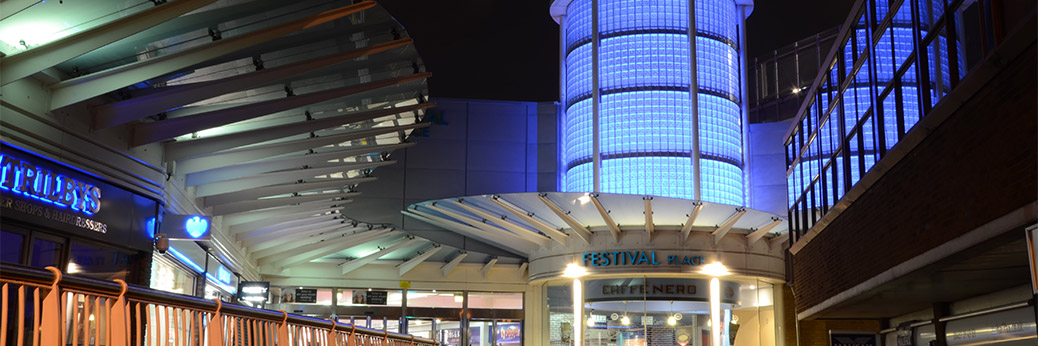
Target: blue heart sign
column 196, row 226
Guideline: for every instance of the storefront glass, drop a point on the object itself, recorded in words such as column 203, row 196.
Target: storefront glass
column 11, row 247
column 166, row 276
column 646, row 311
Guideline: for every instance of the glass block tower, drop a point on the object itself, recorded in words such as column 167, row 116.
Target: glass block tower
column 637, row 118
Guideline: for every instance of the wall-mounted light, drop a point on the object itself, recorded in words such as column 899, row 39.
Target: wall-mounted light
column 458, row 298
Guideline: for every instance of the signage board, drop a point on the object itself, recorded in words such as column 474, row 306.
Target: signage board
column 853, row 338
column 254, row 291
column 377, row 297
column 40, row 192
column 641, row 258
column 621, row 289
column 185, row 227
column 306, row 295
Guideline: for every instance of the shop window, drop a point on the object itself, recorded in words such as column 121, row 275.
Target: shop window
column 11, row 247
column 431, row 299
column 166, row 276
column 491, row 300
column 99, row 262
column 46, row 252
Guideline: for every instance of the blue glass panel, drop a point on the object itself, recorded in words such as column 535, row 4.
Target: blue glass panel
column 578, row 127
column 718, row 17
column 626, row 15
column 644, row 60
column 717, row 66
column 658, row 176
column 645, row 121
column 579, row 178
column 578, row 72
column 719, row 124
column 722, row 182
column 578, row 23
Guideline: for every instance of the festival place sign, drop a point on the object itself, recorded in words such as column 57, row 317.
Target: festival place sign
column 40, row 192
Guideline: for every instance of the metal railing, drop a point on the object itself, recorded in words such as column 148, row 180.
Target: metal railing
column 893, row 61
column 44, row 307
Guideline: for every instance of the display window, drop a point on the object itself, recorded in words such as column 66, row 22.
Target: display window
column 647, row 311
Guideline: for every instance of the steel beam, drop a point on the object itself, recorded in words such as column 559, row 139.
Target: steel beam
column 29, row 62
column 152, row 132
column 12, row 7
column 524, row 215
column 277, row 240
column 299, row 147
column 278, row 169
column 274, row 178
column 304, row 244
column 315, row 221
column 529, row 234
column 192, row 148
column 350, row 266
column 276, row 214
column 613, row 228
column 275, row 190
column 75, row 90
column 649, row 226
column 329, row 247
column 470, row 232
column 487, row 267
column 238, row 207
column 727, row 225
column 501, row 235
column 686, row 229
column 578, row 229
column 122, row 112
column 410, row 264
column 447, row 268
column 760, row 233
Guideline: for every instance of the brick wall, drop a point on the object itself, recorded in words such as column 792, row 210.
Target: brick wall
column 979, row 164
column 816, row 332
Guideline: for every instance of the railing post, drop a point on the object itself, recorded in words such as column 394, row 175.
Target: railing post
column 332, row 339
column 352, row 339
column 216, row 326
column 283, row 330
column 50, row 328
column 119, row 323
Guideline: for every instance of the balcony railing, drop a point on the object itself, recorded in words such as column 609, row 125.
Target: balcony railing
column 893, row 61
column 44, row 307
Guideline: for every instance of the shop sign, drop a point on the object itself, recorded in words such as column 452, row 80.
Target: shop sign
column 657, row 289
column 253, row 291
column 853, row 338
column 41, row 192
column 189, row 227
column 640, row 258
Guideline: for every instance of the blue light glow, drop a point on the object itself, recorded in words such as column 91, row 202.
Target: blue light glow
column 24, row 178
column 196, row 226
column 223, row 275
column 185, row 260
column 645, row 106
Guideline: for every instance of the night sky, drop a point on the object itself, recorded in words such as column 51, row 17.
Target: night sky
column 508, row 49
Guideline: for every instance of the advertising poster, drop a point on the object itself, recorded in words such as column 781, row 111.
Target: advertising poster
column 508, row 333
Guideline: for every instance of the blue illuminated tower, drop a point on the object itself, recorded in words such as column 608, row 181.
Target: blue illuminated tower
column 636, row 117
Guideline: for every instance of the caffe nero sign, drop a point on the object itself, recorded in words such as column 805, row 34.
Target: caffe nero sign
column 41, row 192
column 658, row 289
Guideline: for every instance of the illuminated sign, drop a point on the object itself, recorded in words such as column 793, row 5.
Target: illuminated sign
column 189, row 227
column 622, row 258
column 621, row 289
column 196, row 226
column 26, row 178
column 253, row 291
column 223, row 275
